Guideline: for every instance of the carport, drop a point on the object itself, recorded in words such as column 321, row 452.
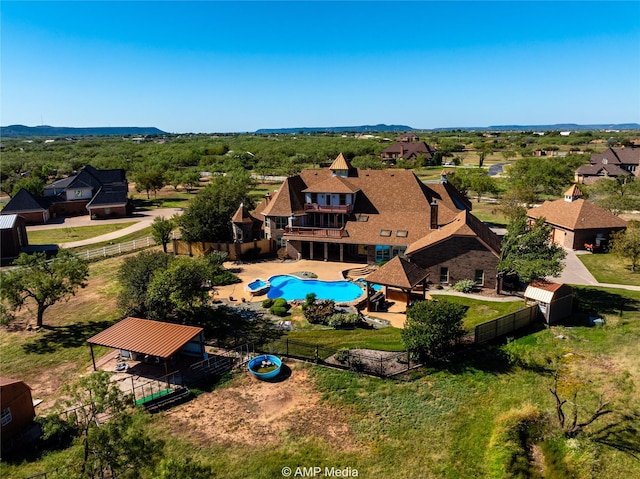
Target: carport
column 151, row 338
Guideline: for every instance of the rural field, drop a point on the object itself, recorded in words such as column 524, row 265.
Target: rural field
column 448, row 419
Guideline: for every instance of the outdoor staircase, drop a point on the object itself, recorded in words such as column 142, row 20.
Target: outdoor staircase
column 356, row 273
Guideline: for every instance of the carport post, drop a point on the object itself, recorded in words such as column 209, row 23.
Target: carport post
column 93, row 359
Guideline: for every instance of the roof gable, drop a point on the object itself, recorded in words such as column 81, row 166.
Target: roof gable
column 576, row 215
column 398, row 272
column 288, row 199
column 23, row 201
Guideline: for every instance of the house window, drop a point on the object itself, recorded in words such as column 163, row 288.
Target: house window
column 363, row 218
column 444, row 275
column 402, row 233
column 385, row 232
column 6, row 417
column 478, row 277
column 383, row 253
column 281, row 222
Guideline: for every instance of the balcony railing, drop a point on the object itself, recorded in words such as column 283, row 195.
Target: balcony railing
column 315, row 232
column 311, row 207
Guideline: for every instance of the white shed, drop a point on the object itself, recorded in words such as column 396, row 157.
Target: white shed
column 555, row 300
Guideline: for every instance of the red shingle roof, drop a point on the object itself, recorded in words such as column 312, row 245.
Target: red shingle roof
column 398, row 272
column 145, row 336
column 576, row 215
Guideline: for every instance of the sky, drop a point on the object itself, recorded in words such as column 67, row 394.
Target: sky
column 207, row 67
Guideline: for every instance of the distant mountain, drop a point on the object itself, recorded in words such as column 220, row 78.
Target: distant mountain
column 336, row 129
column 556, row 127
column 15, row 131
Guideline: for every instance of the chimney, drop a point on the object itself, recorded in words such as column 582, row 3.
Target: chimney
column 443, row 176
column 267, row 198
column 434, row 215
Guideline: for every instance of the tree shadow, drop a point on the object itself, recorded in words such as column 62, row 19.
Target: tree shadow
column 622, row 435
column 590, row 302
column 231, row 326
column 62, row 337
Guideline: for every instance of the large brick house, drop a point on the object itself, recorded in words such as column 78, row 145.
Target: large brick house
column 407, row 150
column 611, row 163
column 576, row 221
column 343, row 213
column 100, row 193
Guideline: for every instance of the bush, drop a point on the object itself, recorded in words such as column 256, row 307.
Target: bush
column 342, row 320
column 342, row 355
column 319, row 311
column 465, row 286
column 267, row 303
column 278, row 310
column 280, row 303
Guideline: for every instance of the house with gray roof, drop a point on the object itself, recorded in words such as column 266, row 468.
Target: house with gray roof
column 611, row 163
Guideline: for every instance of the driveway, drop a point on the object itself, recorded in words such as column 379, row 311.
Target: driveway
column 575, row 272
column 143, row 219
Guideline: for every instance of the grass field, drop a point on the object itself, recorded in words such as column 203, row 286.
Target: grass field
column 608, row 268
column 441, row 421
column 67, row 235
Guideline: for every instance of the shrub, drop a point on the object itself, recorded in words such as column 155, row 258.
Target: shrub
column 278, row 310
column 267, row 303
column 319, row 311
column 465, row 285
column 342, row 355
column 281, row 303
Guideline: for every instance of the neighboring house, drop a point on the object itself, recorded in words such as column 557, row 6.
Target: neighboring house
column 344, row 214
column 612, row 163
column 13, row 237
column 407, row 150
column 34, row 209
column 464, row 248
column 576, row 221
column 101, row 193
column 17, row 409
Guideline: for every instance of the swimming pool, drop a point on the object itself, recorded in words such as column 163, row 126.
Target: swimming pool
column 290, row 288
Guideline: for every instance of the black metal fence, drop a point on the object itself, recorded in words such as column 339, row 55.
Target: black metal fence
column 367, row 361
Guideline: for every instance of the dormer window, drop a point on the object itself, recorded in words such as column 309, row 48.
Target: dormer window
column 605, row 161
column 402, row 233
column 384, row 232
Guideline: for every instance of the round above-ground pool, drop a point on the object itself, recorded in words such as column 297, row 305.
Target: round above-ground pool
column 265, row 366
column 290, row 288
column 258, row 287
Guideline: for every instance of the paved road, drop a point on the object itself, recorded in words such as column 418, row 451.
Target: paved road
column 143, row 219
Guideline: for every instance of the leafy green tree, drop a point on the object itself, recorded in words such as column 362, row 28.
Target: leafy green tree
column 134, row 277
column 626, row 244
column 33, row 184
column 516, row 201
column 42, row 281
column 161, row 229
column 208, row 216
column 432, row 328
column 180, row 289
column 151, row 180
column 474, row 179
column 546, row 175
column 529, row 252
column 120, row 446
column 616, row 194
column 190, row 180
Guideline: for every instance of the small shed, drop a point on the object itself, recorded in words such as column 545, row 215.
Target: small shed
column 17, row 408
column 554, row 300
column 13, row 237
column 151, row 338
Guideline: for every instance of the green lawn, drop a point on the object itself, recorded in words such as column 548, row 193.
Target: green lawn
column 608, row 268
column 481, row 311
column 67, row 235
column 136, row 235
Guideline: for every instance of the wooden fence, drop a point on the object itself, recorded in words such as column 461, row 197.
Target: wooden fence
column 235, row 251
column 506, row 324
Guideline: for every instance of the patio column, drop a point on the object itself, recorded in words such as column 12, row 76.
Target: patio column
column 310, row 249
column 368, row 296
column 326, row 251
column 341, row 252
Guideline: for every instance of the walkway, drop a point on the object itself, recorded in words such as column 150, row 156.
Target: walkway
column 575, row 272
column 143, row 220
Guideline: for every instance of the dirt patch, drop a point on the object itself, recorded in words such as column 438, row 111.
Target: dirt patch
column 252, row 411
column 47, row 383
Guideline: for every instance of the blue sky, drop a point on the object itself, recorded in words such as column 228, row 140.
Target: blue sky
column 240, row 66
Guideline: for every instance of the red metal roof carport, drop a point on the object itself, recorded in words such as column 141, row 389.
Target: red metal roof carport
column 145, row 336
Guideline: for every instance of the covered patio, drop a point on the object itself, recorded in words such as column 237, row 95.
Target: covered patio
column 146, row 339
column 400, row 278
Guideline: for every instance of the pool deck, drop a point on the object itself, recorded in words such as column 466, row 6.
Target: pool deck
column 326, row 270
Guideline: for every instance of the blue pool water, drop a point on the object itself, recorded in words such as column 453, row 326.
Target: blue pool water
column 290, row 287
column 257, row 284
column 376, row 287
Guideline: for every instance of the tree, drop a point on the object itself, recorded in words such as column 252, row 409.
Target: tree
column 208, row 216
column 134, row 277
column 43, row 281
column 119, row 446
column 161, row 229
column 33, row 184
column 149, row 181
column 529, row 252
column 180, row 289
column 627, row 243
column 474, row 179
column 432, row 327
column 190, row 180
column 616, row 194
